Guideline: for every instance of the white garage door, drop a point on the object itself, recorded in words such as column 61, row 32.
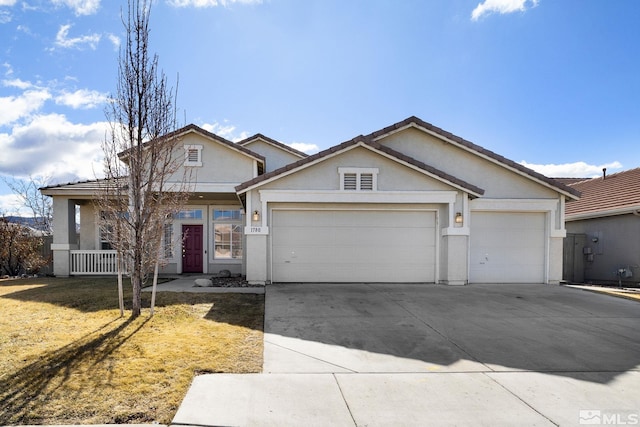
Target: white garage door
column 353, row 246
column 507, row 247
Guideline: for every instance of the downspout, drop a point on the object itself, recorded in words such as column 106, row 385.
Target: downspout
column 636, row 212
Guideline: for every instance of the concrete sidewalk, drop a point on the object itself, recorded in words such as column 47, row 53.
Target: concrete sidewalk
column 415, row 355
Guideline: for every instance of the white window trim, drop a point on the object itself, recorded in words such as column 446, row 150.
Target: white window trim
column 188, row 148
column 213, row 222
column 359, row 172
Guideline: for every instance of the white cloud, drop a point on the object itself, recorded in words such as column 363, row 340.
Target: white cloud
column 8, row 69
column 10, row 204
column 226, row 131
column 13, row 108
column 501, row 6
column 7, row 2
column 572, row 170
column 209, row 3
column 20, row 84
column 80, row 7
column 50, row 145
column 5, row 17
column 82, row 98
column 115, row 40
column 304, row 147
column 62, row 39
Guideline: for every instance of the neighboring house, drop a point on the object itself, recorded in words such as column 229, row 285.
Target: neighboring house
column 603, row 240
column 408, row 203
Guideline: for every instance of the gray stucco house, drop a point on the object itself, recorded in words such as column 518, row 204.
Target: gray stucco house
column 603, row 240
column 408, row 203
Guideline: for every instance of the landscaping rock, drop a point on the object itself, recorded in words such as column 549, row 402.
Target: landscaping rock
column 203, row 283
column 224, row 273
column 237, row 281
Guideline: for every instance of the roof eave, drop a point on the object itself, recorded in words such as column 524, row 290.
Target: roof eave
column 604, row 213
column 191, row 128
column 362, row 142
column 470, row 147
column 274, row 143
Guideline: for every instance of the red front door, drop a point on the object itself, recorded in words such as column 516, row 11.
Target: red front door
column 192, row 248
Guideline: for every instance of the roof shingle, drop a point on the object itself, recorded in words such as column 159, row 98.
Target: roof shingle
column 478, row 149
column 273, row 142
column 602, row 195
column 366, row 141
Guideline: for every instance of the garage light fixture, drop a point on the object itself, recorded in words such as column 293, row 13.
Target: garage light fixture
column 256, row 216
column 458, row 217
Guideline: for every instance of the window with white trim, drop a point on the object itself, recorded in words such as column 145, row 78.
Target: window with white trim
column 358, row 179
column 227, row 234
column 193, row 155
column 189, row 214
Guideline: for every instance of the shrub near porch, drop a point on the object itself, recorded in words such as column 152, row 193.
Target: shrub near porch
column 66, row 357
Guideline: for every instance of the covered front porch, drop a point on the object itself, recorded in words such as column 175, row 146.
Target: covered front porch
column 206, row 236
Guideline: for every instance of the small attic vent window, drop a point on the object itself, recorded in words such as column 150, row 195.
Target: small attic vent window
column 358, row 179
column 350, row 181
column 366, row 181
column 193, row 155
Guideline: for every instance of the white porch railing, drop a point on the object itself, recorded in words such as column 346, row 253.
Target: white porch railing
column 94, row 262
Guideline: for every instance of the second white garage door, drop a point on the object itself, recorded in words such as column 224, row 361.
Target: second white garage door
column 507, row 247
column 353, row 246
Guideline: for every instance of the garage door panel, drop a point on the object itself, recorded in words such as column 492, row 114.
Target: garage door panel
column 353, row 246
column 507, row 247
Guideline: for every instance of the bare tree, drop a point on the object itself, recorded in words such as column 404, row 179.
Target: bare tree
column 39, row 205
column 19, row 249
column 145, row 183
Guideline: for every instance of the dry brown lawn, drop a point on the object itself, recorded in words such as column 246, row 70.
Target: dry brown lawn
column 67, row 357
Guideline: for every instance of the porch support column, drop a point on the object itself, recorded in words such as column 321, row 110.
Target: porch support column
column 454, row 267
column 64, row 234
column 256, row 261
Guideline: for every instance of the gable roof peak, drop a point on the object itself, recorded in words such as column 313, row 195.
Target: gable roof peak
column 272, row 142
column 197, row 129
column 476, row 149
column 368, row 143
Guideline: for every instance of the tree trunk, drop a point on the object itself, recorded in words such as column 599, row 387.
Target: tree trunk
column 120, row 291
column 136, row 284
column 155, row 286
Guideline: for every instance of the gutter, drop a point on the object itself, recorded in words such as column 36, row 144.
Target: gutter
column 635, row 210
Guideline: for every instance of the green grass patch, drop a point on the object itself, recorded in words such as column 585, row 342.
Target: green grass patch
column 67, row 357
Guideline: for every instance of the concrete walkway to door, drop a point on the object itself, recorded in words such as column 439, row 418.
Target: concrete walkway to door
column 414, row 355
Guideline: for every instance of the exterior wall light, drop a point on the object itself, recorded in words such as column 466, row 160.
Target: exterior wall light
column 458, row 218
column 256, row 216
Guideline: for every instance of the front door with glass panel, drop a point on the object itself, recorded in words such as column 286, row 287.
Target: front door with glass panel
column 192, row 249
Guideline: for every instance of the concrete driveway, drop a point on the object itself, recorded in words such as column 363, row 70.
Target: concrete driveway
column 373, row 354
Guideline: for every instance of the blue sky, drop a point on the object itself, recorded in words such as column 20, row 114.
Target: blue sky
column 552, row 84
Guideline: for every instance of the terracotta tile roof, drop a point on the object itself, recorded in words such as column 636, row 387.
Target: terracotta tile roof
column 273, row 142
column 198, row 129
column 570, row 181
column 369, row 142
column 615, row 194
column 478, row 149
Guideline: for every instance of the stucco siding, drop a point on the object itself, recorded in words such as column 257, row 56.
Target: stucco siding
column 614, row 243
column 88, row 227
column 497, row 181
column 391, row 176
column 220, row 164
column 275, row 157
